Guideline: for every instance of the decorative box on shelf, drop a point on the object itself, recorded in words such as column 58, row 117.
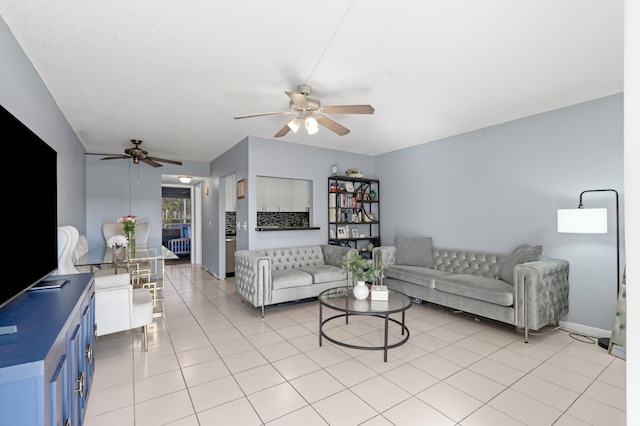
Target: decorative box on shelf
column 379, row 292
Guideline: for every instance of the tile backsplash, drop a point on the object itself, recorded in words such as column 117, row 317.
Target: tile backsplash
column 283, row 219
column 230, row 223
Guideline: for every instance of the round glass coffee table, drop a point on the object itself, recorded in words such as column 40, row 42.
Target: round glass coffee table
column 341, row 299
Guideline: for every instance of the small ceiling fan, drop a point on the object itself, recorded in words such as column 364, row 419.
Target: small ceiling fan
column 137, row 154
column 309, row 111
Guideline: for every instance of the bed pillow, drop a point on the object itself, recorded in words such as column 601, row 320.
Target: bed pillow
column 414, row 251
column 521, row 254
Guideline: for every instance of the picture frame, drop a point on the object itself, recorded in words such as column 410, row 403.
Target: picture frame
column 348, row 186
column 334, row 170
column 355, row 233
column 343, row 232
column 242, row 188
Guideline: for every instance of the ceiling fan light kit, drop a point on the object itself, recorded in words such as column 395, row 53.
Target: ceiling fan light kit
column 294, row 124
column 311, row 124
column 309, row 109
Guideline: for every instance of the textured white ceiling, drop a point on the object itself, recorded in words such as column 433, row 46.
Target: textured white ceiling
column 175, row 73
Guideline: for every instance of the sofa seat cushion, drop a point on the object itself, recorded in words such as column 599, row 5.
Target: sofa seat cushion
column 324, row 273
column 414, row 274
column 287, row 278
column 486, row 289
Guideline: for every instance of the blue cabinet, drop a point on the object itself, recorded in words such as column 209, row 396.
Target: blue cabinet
column 46, row 368
column 59, row 395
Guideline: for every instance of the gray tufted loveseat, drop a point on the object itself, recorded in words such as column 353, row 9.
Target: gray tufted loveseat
column 537, row 295
column 270, row 276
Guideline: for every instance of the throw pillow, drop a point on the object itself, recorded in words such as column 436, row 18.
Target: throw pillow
column 414, row 251
column 521, row 254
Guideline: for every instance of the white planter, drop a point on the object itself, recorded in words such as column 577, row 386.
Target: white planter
column 360, row 290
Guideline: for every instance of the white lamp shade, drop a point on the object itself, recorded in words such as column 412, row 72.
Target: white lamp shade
column 311, row 125
column 185, row 179
column 294, row 124
column 582, row 221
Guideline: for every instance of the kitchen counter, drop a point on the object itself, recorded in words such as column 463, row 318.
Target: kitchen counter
column 286, row 228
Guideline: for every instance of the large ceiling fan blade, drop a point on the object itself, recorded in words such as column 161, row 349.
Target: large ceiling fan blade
column 298, row 99
column 282, row 131
column 332, row 125
column 100, row 153
column 150, row 162
column 262, row 114
column 164, row 161
column 349, row 109
column 115, row 157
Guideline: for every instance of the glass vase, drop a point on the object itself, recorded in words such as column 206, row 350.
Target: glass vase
column 131, row 247
column 119, row 254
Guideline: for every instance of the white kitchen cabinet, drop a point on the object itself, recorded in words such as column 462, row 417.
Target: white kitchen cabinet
column 267, row 194
column 282, row 195
column 300, row 193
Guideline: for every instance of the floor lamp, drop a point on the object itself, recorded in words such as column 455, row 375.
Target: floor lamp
column 591, row 221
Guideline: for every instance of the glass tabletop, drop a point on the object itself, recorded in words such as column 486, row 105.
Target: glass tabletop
column 104, row 256
column 342, row 299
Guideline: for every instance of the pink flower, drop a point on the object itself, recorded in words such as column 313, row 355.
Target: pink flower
column 128, row 222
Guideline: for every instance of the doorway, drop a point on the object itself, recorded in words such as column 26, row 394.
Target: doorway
column 230, row 198
column 177, row 214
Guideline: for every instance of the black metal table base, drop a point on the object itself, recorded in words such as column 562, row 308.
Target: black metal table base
column 386, row 345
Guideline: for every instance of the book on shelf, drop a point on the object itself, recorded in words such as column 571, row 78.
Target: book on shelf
column 332, row 199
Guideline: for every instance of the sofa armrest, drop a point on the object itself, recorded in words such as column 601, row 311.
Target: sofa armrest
column 546, row 283
column 386, row 254
column 253, row 277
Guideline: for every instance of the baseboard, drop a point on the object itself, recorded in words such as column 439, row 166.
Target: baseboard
column 584, row 330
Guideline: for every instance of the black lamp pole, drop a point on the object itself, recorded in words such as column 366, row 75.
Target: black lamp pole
column 604, row 341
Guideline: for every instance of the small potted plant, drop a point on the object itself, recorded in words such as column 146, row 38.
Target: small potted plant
column 362, row 271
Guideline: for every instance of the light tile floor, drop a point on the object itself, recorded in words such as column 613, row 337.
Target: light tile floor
column 214, row 361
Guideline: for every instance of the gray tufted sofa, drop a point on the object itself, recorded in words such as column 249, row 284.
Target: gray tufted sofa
column 469, row 281
column 270, row 276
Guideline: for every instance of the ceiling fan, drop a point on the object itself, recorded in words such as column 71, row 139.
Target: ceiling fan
column 309, row 111
column 137, row 154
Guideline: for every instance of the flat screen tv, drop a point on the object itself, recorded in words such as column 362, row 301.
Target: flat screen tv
column 30, row 219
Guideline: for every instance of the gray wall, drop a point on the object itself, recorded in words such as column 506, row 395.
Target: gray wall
column 118, row 187
column 232, row 162
column 499, row 187
column 254, row 157
column 23, row 94
column 288, row 160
